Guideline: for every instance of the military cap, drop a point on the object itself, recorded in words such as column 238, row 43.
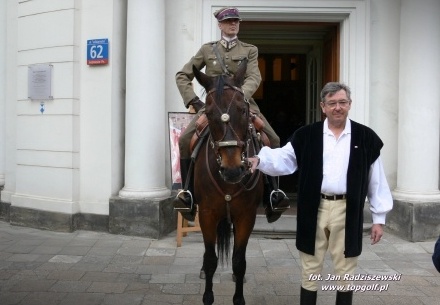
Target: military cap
column 227, row 13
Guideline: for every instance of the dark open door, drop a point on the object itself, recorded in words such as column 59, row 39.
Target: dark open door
column 295, row 60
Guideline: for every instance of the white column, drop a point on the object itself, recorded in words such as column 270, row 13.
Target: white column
column 384, row 80
column 419, row 102
column 145, row 121
column 2, row 90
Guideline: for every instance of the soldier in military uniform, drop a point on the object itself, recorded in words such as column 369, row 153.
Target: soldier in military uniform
column 232, row 51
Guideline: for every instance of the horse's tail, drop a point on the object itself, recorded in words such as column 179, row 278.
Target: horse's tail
column 223, row 240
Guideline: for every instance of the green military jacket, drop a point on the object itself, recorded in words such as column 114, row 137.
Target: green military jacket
column 232, row 57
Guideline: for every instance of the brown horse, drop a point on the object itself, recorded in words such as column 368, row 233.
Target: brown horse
column 226, row 192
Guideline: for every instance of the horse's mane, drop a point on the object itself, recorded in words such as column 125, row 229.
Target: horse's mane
column 219, row 86
column 220, row 82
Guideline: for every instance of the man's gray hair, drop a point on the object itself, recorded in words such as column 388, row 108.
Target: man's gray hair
column 331, row 88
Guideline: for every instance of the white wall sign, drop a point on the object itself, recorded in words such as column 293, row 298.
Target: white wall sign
column 40, row 82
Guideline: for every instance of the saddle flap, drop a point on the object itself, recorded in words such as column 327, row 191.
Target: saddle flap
column 259, row 125
column 257, row 121
column 264, row 139
column 201, row 125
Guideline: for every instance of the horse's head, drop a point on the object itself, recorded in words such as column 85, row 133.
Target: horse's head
column 228, row 118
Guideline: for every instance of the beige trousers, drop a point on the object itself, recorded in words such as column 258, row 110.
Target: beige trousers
column 330, row 235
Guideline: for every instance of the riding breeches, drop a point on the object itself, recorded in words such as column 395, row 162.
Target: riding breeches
column 330, row 235
column 185, row 137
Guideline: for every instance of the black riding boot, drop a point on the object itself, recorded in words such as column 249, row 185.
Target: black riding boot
column 274, row 200
column 184, row 200
column 307, row 297
column 344, row 298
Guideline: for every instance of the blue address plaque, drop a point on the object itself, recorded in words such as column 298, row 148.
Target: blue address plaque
column 97, row 51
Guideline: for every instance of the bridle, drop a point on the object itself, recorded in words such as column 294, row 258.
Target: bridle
column 216, row 145
column 225, row 119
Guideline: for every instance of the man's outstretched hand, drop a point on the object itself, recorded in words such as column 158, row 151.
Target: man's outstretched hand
column 253, row 163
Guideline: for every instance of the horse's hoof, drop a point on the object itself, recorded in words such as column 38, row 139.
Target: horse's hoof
column 202, row 274
column 234, row 278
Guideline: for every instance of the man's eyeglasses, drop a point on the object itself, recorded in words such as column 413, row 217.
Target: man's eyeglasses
column 333, row 104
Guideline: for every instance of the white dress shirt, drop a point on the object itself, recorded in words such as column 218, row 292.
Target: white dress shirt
column 282, row 161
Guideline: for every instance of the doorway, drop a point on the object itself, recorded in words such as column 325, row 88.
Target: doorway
column 295, row 60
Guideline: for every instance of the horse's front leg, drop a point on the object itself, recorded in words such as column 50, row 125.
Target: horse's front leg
column 239, row 269
column 210, row 262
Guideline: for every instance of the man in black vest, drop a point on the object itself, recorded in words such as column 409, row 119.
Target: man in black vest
column 339, row 165
column 436, row 255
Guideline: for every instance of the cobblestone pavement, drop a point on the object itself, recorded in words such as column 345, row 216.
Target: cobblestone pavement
column 88, row 268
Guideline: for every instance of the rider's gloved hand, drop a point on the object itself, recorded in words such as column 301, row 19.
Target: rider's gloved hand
column 197, row 104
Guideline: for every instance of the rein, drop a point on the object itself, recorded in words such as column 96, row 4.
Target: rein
column 248, row 186
column 244, row 145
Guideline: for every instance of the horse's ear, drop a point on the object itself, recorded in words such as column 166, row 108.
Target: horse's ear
column 239, row 75
column 202, row 78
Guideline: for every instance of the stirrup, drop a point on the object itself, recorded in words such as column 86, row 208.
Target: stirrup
column 277, row 193
column 186, row 208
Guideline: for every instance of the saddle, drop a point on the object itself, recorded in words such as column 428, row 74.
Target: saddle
column 202, row 126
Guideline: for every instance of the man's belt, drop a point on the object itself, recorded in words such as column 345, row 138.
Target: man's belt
column 333, row 197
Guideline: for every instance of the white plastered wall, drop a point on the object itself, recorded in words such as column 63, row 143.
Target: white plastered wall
column 46, row 168
column 3, row 14
column 102, row 91
column 10, row 101
column 69, row 159
column 183, row 39
column 384, row 80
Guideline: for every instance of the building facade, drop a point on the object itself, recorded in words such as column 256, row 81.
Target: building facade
column 93, row 151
